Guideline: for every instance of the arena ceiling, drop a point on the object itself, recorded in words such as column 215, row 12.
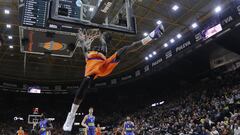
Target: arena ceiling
column 54, row 69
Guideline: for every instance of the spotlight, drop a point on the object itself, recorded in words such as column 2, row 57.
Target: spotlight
column 10, row 37
column 91, row 9
column 8, row 26
column 6, row 11
column 154, row 53
column 179, row 36
column 145, row 34
column 172, row 40
column 11, row 47
column 165, row 45
column 159, row 22
column 146, row 58
column 218, row 9
column 194, row 25
column 150, row 56
column 175, row 7
column 79, row 3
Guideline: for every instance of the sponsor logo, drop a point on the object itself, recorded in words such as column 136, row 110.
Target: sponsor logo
column 198, row 37
column 137, row 73
column 107, row 7
column 9, row 84
column 114, row 81
column 146, row 68
column 183, row 46
column 227, row 20
column 157, row 62
column 238, row 9
column 53, row 26
column 168, row 54
column 126, row 77
column 101, row 84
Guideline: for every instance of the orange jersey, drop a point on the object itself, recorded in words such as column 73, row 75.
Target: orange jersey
column 98, row 131
column 98, row 65
column 20, row 132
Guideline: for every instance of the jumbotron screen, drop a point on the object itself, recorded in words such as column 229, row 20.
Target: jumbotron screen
column 212, row 31
column 34, row 90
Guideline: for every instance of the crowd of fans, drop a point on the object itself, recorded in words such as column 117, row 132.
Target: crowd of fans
column 200, row 113
column 211, row 107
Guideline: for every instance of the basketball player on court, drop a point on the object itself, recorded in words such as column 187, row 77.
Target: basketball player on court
column 89, row 122
column 128, row 127
column 98, row 130
column 20, row 131
column 97, row 65
column 45, row 126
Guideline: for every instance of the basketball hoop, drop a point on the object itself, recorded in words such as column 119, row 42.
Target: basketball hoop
column 86, row 37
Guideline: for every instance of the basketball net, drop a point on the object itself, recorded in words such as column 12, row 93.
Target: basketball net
column 86, row 37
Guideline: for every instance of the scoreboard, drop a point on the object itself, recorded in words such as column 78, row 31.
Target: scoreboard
column 69, row 15
column 68, row 8
column 35, row 13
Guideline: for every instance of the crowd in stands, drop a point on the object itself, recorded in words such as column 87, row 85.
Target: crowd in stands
column 211, row 107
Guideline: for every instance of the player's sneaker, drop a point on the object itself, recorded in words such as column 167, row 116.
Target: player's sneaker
column 69, row 122
column 157, row 32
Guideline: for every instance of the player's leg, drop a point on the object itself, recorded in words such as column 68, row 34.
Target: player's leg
column 123, row 51
column 80, row 94
column 155, row 34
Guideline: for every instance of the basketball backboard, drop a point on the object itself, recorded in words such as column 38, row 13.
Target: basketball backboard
column 51, row 26
column 33, row 119
column 114, row 15
column 44, row 41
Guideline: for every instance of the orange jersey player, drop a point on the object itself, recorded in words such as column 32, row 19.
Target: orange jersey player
column 98, row 130
column 20, row 131
column 98, row 65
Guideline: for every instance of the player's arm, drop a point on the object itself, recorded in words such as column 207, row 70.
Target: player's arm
column 84, row 121
column 133, row 126
column 154, row 35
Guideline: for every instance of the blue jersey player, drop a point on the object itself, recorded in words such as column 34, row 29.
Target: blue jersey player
column 89, row 122
column 128, row 127
column 45, row 126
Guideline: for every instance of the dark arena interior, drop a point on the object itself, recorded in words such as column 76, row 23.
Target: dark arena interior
column 119, row 67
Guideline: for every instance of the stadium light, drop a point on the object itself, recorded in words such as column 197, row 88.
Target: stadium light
column 79, row 3
column 157, row 104
column 154, row 53
column 179, row 36
column 8, row 26
column 175, row 7
column 11, row 47
column 165, row 45
column 150, row 55
column 6, row 11
column 153, row 105
column 146, row 58
column 10, row 37
column 218, row 9
column 162, row 102
column 145, row 34
column 194, row 25
column 172, row 40
column 159, row 22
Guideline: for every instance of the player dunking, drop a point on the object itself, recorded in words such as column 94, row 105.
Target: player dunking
column 97, row 65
